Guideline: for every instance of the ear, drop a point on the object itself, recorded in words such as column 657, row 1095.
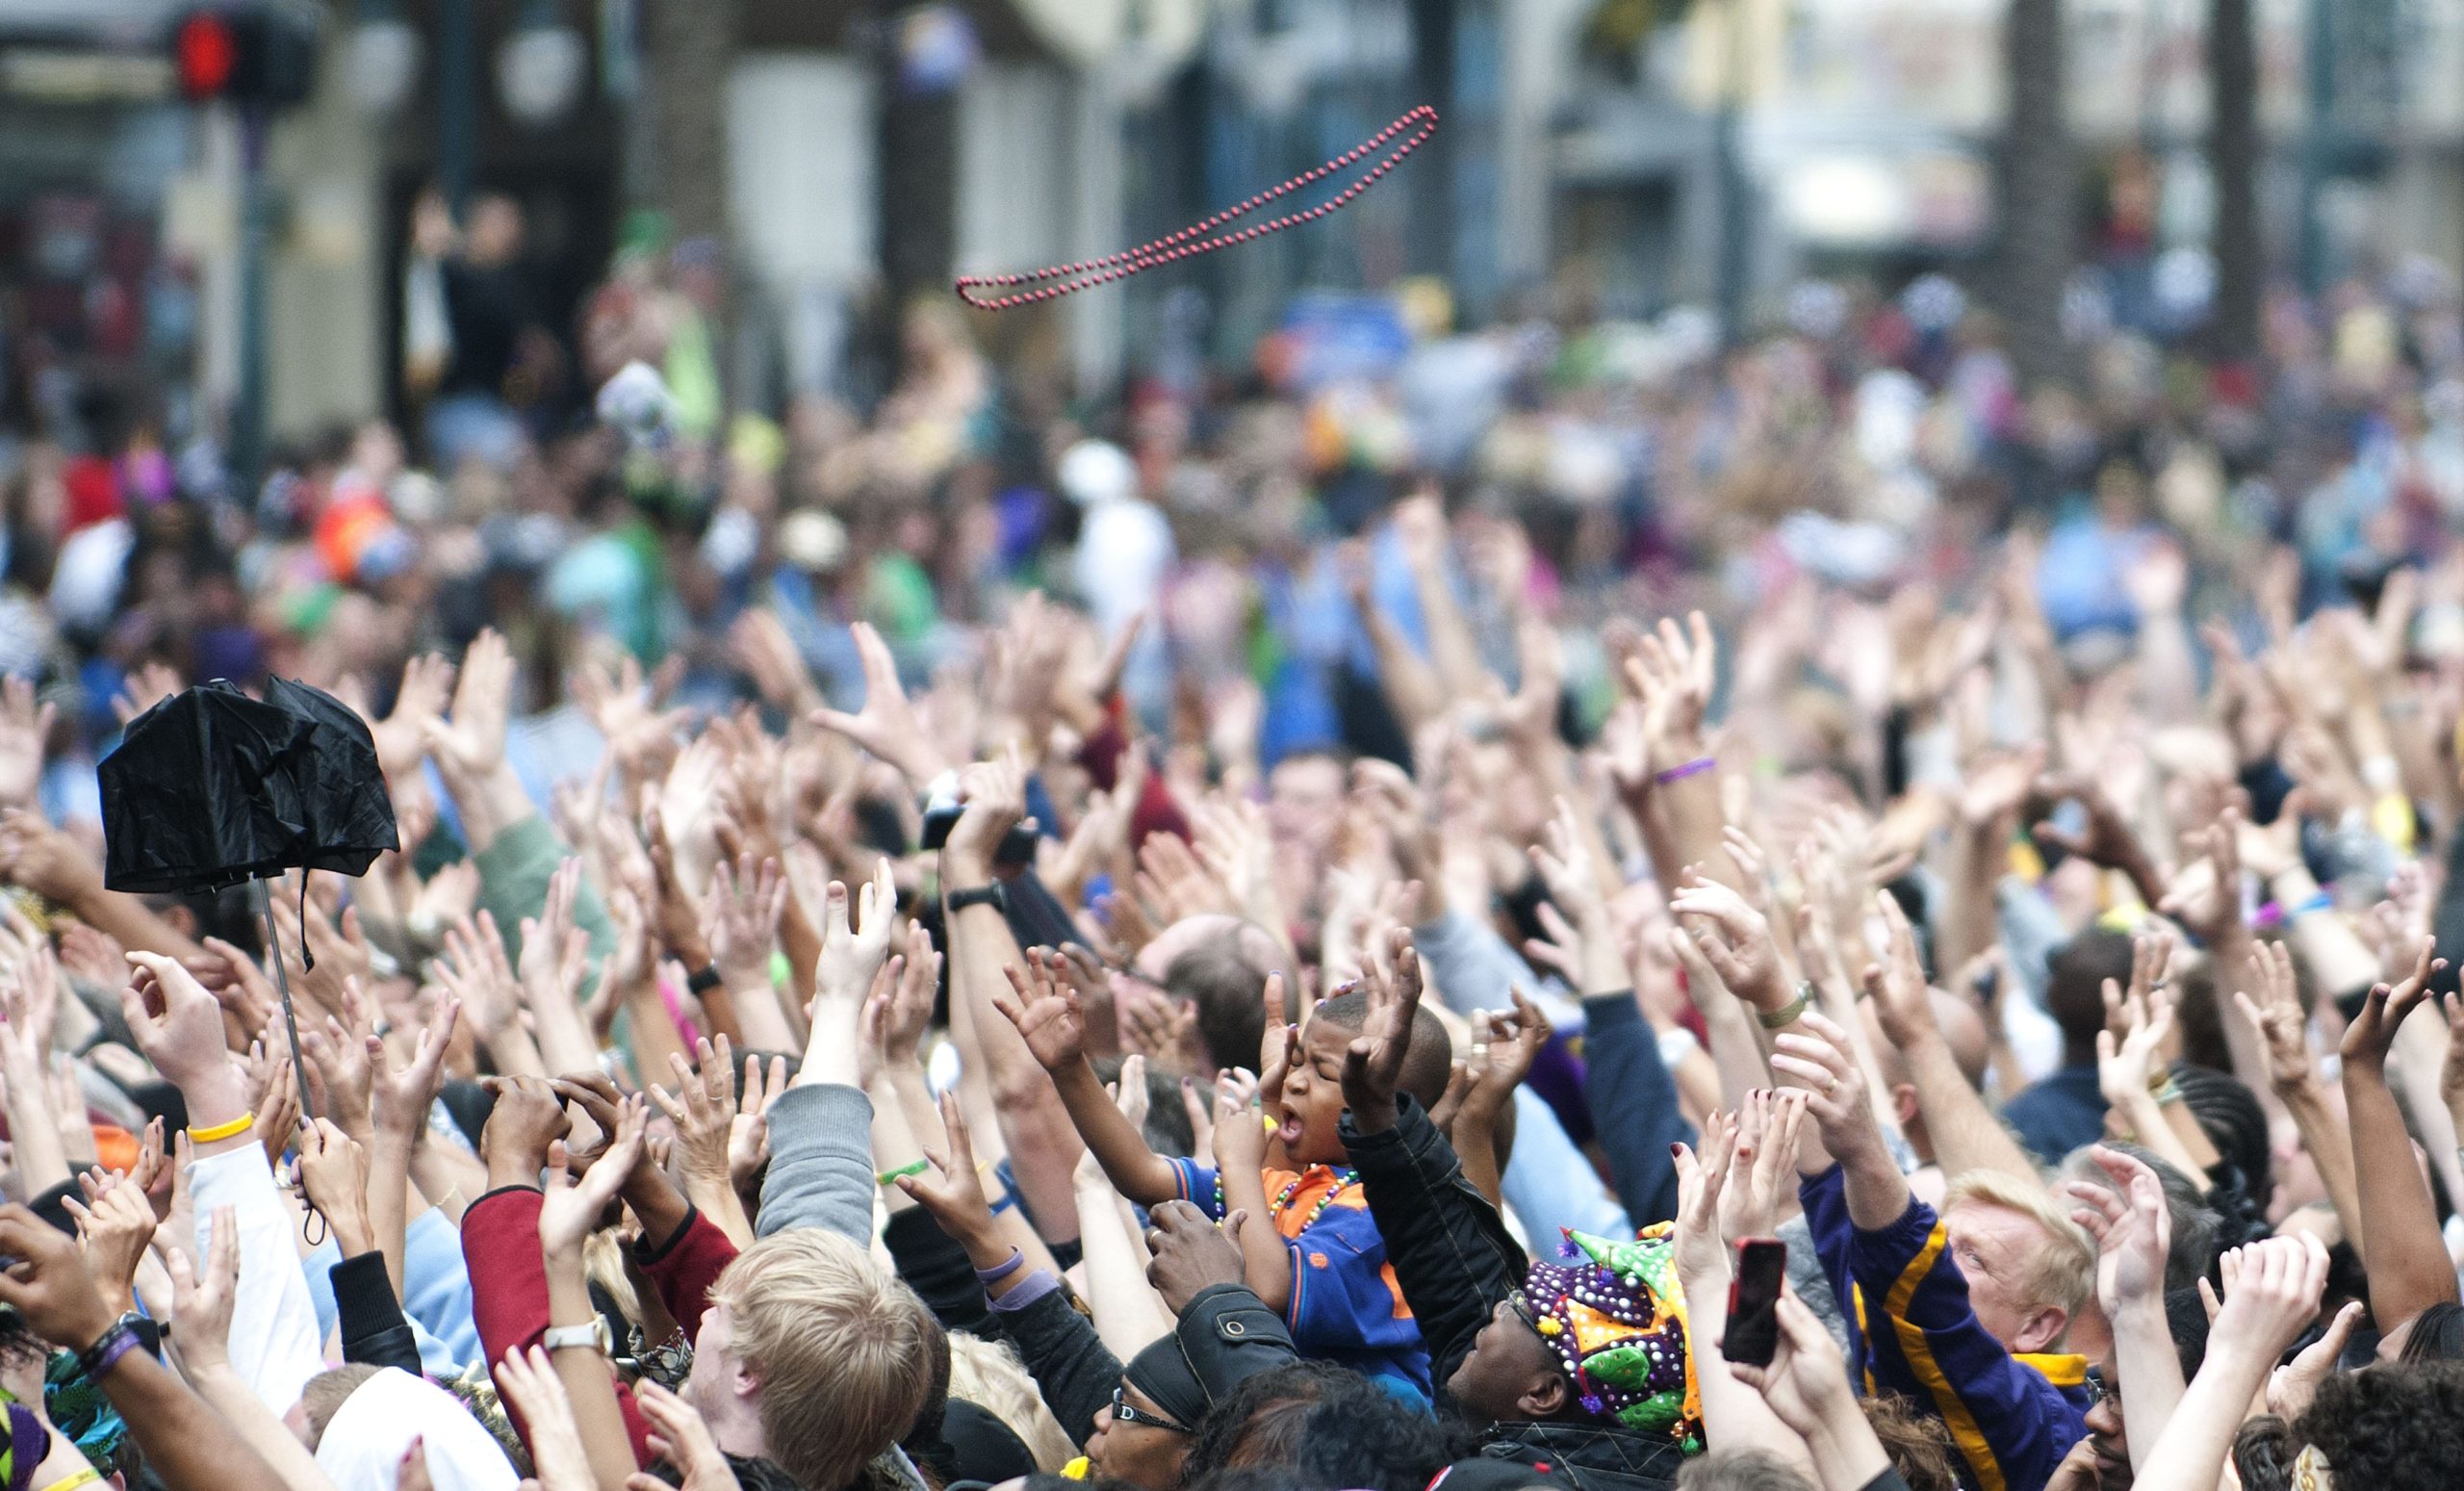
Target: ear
column 2040, row 1330
column 1545, row 1396
column 743, row 1380
column 1903, row 1105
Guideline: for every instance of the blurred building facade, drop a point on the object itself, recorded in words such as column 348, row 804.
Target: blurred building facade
column 1760, row 139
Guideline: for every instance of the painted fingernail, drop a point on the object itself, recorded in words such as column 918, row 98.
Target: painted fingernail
column 1674, row 1150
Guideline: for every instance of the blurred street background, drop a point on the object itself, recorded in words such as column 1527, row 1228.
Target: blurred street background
column 800, row 169
column 305, row 306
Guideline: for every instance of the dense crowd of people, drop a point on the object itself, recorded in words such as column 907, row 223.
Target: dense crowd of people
column 1283, row 935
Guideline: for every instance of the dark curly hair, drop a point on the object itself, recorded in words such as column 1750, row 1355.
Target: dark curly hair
column 1326, row 1426
column 2396, row 1428
column 2263, row 1451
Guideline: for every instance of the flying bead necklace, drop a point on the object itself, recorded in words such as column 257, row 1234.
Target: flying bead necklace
column 1396, row 139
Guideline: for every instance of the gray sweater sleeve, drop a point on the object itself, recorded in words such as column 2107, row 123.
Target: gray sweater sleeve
column 821, row 1163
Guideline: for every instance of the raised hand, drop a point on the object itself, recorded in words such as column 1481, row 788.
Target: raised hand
column 703, row 1108
column 1045, row 1007
column 1190, row 1253
column 2292, row 1386
column 1765, row 1172
column 2132, row 1225
column 1735, row 938
column 531, row 1388
column 568, row 1210
column 1702, row 1176
column 471, row 744
column 1815, row 1052
column 333, row 1172
column 680, row 1436
column 888, row 725
column 955, row 1193
column 114, row 1224
column 1671, row 672
column 994, row 795
column 1902, row 1004
column 201, row 1298
column 1806, row 1383
column 1373, row 1061
column 851, row 952
column 2137, row 1024
column 749, row 1136
column 401, row 1097
column 742, row 912
column 2276, row 1013
column 401, row 742
column 474, row 971
column 178, row 1026
column 2373, row 1031
column 2272, row 1291
column 528, row 1118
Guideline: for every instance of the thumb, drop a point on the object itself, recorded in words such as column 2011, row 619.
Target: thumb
column 1233, row 1225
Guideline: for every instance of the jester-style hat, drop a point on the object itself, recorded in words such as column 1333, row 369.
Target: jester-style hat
column 1615, row 1317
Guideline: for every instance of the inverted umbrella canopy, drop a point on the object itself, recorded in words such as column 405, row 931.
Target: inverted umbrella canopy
column 210, row 787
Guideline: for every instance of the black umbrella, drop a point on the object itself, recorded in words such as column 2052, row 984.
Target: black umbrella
column 210, row 787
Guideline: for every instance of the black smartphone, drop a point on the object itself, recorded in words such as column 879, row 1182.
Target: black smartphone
column 1753, row 1302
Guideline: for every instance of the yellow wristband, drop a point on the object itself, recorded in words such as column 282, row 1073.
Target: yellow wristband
column 69, row 1482
column 220, row 1131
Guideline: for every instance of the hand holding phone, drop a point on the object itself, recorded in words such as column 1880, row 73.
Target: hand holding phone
column 1753, row 1332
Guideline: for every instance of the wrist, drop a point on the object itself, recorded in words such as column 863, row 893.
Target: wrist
column 962, row 869
column 215, row 1099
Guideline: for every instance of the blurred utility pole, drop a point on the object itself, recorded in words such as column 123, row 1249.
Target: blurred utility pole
column 457, row 101
column 689, row 54
column 2233, row 159
column 918, row 155
column 2036, row 192
column 1733, row 275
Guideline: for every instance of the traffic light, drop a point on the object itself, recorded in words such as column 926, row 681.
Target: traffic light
column 260, row 52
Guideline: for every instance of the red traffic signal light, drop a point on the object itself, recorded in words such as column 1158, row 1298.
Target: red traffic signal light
column 260, row 52
column 207, row 54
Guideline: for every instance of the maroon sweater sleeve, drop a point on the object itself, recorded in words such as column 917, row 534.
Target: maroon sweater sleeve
column 685, row 1267
column 509, row 1291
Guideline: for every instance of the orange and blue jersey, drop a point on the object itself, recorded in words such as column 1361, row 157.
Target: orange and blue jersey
column 1346, row 1305
column 2011, row 1418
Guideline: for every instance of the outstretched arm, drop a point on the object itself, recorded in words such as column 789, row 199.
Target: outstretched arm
column 2407, row 1264
column 1047, row 1016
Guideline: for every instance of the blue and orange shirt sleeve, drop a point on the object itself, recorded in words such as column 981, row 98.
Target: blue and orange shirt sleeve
column 1197, row 1186
column 2010, row 1422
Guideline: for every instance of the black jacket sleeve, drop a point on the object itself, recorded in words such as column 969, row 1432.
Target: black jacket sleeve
column 1450, row 1249
column 1065, row 1358
column 938, row 1270
column 374, row 1330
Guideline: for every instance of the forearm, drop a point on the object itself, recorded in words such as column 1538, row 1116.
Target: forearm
column 1454, row 653
column 40, row 1159
column 222, row 1391
column 1966, row 1133
column 713, row 1193
column 1680, row 823
column 1475, row 1146
column 589, row 1380
column 1845, row 1451
column 761, row 1016
column 389, row 1201
column 1733, row 1413
column 2147, row 1124
column 2329, row 1145
column 1134, row 1171
column 488, row 805
column 2421, row 1053
column 1265, row 1258
column 652, row 1029
column 130, row 922
column 1024, row 1106
column 2406, row 1261
column 448, row 1177
column 2190, row 1451
column 1128, row 1312
column 2167, row 675
column 1972, row 868
column 1410, row 688
column 2150, row 1370
column 186, row 1444
column 1876, row 1192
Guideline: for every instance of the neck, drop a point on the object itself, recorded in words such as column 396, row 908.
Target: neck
column 738, row 1428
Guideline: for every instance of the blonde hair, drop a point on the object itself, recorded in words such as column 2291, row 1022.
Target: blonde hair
column 843, row 1351
column 2062, row 1273
column 988, row 1374
column 323, row 1395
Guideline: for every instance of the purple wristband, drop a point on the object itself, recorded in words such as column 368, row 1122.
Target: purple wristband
column 1700, row 763
column 995, row 1274
column 105, row 1353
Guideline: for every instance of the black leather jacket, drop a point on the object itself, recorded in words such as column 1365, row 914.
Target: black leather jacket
column 1455, row 1260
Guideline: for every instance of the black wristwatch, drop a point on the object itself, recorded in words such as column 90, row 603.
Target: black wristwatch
column 994, row 894
column 705, row 979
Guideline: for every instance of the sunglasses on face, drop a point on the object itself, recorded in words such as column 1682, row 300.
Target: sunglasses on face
column 1125, row 1412
column 1520, row 1305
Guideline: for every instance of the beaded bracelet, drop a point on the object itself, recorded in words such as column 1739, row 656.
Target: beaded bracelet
column 1190, row 241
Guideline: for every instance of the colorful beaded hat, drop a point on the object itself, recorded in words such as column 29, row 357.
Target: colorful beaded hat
column 1616, row 1318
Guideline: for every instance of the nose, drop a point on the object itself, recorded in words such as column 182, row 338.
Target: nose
column 2105, row 1418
